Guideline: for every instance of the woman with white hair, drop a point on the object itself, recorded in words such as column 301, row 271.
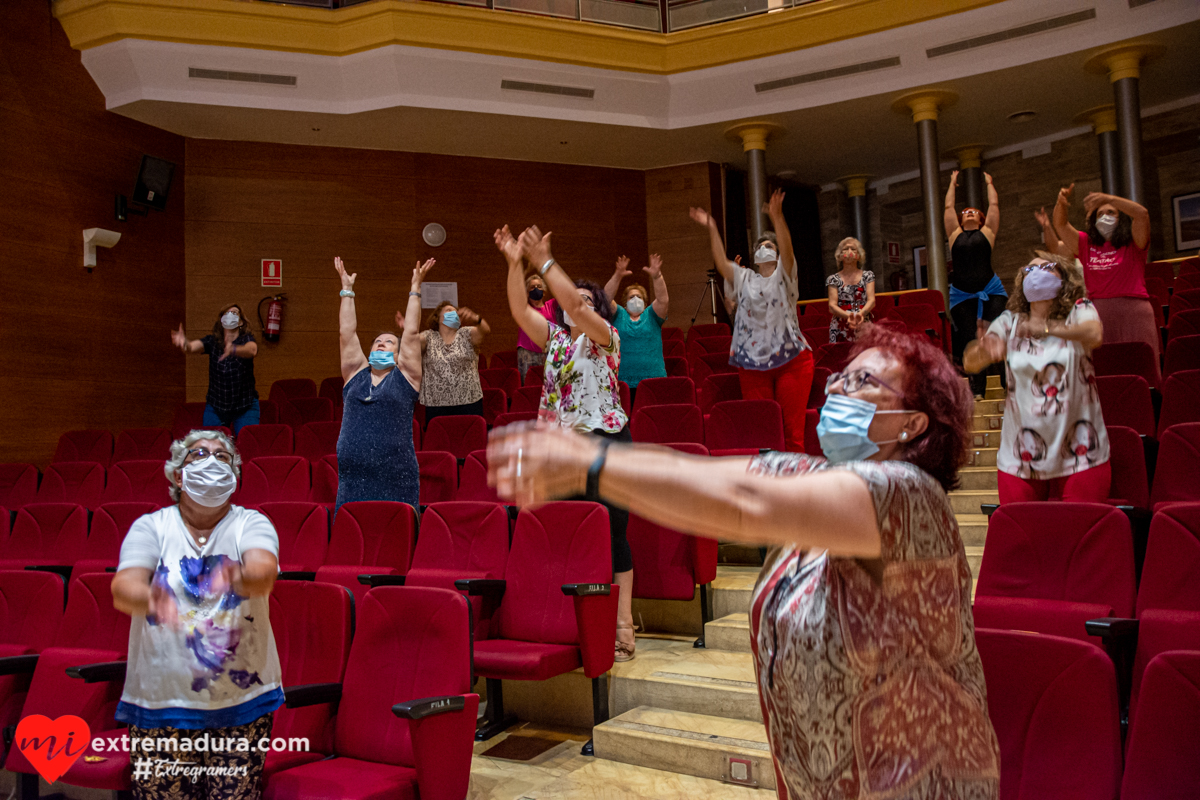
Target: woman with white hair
column 851, row 291
column 195, row 576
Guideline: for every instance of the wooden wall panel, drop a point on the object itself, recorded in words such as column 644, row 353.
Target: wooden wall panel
column 81, row 350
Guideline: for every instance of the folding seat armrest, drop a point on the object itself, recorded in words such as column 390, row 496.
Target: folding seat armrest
column 487, row 587
column 311, row 694
column 1139, row 527
column 110, row 569
column 1119, row 636
column 596, row 620
column 18, row 665
column 988, row 508
column 297, row 575
column 942, row 315
column 102, row 672
column 442, row 732
column 381, row 580
column 1114, row 629
column 58, row 569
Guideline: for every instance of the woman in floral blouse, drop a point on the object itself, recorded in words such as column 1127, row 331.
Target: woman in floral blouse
column 580, row 392
column 851, row 291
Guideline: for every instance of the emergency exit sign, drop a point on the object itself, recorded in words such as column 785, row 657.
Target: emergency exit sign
column 272, row 272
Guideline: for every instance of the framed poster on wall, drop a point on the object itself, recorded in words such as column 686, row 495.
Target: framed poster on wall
column 1187, row 221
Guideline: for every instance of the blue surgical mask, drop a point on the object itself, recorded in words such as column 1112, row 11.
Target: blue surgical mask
column 382, row 359
column 450, row 319
column 843, row 428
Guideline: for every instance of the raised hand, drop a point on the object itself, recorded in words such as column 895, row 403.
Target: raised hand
column 229, row 348
column 954, row 178
column 655, row 268
column 701, row 216
column 532, row 463
column 162, row 607
column 347, row 280
column 179, row 338
column 623, row 267
column 737, row 260
column 400, row 322
column 987, row 178
column 467, row 317
column 1066, row 194
column 1094, row 200
column 537, row 246
column 419, row 273
column 774, row 206
column 1042, row 217
column 509, row 246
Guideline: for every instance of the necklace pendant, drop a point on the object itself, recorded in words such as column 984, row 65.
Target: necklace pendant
column 202, row 539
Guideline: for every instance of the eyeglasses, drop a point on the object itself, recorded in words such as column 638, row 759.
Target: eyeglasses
column 201, row 453
column 1031, row 267
column 854, row 380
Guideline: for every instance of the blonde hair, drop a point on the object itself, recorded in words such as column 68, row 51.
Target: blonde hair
column 1072, row 288
column 179, row 451
column 858, row 248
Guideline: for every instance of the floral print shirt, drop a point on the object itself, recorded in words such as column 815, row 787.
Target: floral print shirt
column 580, row 389
column 874, row 690
column 1053, row 425
column 849, row 297
column 766, row 332
column 223, row 654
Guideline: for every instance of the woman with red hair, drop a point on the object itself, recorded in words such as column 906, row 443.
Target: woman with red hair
column 861, row 623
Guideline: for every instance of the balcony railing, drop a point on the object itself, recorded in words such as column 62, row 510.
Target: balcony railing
column 657, row 16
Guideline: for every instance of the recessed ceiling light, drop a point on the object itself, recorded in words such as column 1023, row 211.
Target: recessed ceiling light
column 1022, row 116
column 316, row 129
column 562, row 142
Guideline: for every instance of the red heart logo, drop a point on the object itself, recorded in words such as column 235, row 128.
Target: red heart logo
column 52, row 746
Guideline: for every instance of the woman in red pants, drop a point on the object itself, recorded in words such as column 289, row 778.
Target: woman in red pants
column 773, row 359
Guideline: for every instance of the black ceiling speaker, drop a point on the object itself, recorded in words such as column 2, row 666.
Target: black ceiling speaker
column 153, row 183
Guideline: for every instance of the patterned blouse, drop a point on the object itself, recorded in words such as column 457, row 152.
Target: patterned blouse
column 449, row 373
column 766, row 332
column 849, row 297
column 1053, row 424
column 874, row 690
column 580, row 389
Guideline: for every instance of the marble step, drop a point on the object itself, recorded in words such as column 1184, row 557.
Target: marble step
column 600, row 779
column 989, row 407
column 672, row 674
column 736, row 553
column 982, row 456
column 985, row 439
column 964, row 501
column 987, row 422
column 994, row 394
column 972, row 528
column 689, row 744
column 730, row 632
column 977, row 478
column 730, row 592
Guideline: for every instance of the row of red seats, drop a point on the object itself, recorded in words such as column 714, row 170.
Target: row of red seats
column 1137, row 358
column 1130, row 401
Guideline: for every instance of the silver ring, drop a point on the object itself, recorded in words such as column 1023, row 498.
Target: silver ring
column 519, row 453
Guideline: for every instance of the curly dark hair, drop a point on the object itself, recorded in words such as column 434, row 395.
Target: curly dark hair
column 599, row 297
column 1122, row 236
column 931, row 385
column 1071, row 291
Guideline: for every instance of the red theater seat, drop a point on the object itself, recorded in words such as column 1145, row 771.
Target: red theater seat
column 535, row 375
column 665, row 391
column 315, row 440
column 677, row 367
column 1163, row 270
column 1125, row 400
column 370, row 536
column 812, row 442
column 256, row 441
column 1127, row 459
column 283, row 391
column 816, row 395
column 559, row 610
column 495, row 403
column 673, row 334
column 513, row 416
column 331, row 390
column 85, row 446
column 45, row 534
column 303, row 530
column 1178, row 465
column 922, row 319
column 137, row 481
column 299, row 410
column 136, row 444
column 1050, row 567
column 1053, row 704
column 670, row 423
column 472, row 483
column 1185, row 323
column 674, row 348
column 273, row 479
column 1181, row 400
column 835, row 355
column 268, row 413
column 1183, row 354
column 458, row 435
column 709, row 344
column 79, row 482
column 324, row 481
column 31, row 610
column 1185, row 300
column 110, row 524
column 700, row 367
column 410, row 735
column 505, row 359
column 717, row 389
column 189, row 417
column 708, row 330
column 506, row 379
column 18, row 485
column 742, row 424
column 1162, row 760
column 1126, row 358
column 527, row 398
column 439, row 476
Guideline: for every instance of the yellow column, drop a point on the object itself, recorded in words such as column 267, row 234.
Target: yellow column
column 754, row 136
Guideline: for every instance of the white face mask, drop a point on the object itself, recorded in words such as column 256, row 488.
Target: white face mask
column 230, row 320
column 209, row 482
column 1106, row 224
column 570, row 323
column 635, row 306
column 764, row 255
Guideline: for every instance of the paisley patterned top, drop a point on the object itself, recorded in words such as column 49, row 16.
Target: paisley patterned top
column 1053, row 425
column 874, row 690
column 766, row 332
column 580, row 389
column 849, row 296
column 449, row 373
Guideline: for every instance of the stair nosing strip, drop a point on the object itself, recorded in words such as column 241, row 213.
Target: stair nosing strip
column 705, row 679
column 727, row 741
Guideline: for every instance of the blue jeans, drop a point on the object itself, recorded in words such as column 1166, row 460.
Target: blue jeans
column 247, row 417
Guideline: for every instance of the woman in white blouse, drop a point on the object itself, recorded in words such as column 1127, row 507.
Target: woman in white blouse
column 195, row 577
column 773, row 358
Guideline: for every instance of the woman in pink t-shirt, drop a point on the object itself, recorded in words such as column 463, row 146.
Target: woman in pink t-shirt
column 528, row 353
column 1113, row 254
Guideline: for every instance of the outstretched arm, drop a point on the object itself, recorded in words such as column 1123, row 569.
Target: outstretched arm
column 180, row 340
column 662, row 301
column 1050, row 238
column 528, row 319
column 614, row 283
column 409, row 359
column 787, row 257
column 723, row 264
column 1066, row 231
column 992, row 221
column 565, row 294
column 478, row 325
column 353, row 358
column 1135, row 211
column 949, row 216
column 985, row 350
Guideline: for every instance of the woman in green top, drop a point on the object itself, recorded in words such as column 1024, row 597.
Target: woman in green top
column 639, row 323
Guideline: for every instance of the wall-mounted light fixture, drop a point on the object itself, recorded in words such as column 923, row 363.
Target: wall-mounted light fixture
column 93, row 238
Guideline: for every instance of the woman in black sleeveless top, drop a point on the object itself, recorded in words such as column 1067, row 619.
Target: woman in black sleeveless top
column 975, row 291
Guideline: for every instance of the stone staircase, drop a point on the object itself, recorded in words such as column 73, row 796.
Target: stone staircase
column 696, row 711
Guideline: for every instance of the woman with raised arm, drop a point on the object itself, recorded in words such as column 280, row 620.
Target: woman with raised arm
column 1113, row 252
column 976, row 292
column 1053, row 445
column 773, row 358
column 376, row 457
column 851, row 291
column 580, row 393
column 639, row 323
column 860, row 623
column 232, row 398
column 528, row 353
column 450, row 361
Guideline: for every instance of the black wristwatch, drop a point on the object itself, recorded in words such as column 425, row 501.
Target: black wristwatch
column 593, row 474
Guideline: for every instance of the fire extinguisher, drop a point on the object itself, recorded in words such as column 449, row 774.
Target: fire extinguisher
column 274, row 324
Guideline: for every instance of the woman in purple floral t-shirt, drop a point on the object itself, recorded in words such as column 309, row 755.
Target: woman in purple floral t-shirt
column 583, row 353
